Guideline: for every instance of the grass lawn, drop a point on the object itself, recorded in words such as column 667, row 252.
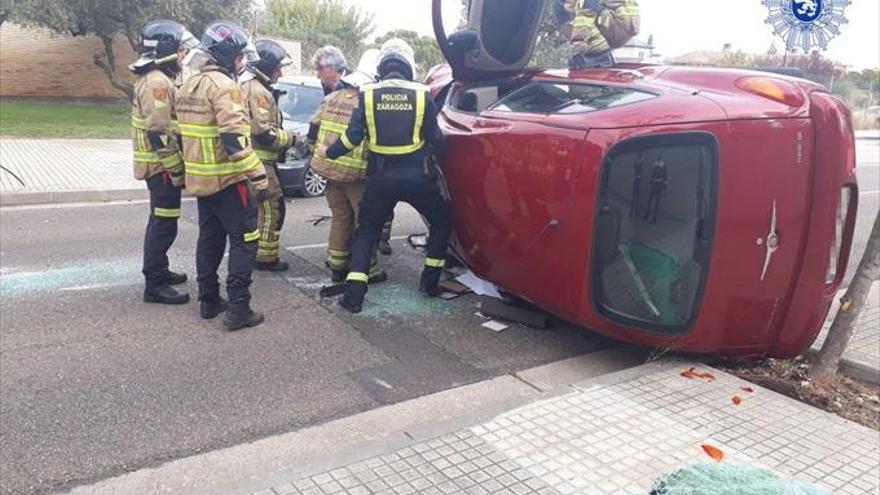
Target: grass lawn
column 64, row 119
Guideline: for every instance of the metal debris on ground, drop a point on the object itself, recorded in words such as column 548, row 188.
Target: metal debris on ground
column 317, row 220
column 495, row 326
column 479, row 286
column 500, row 309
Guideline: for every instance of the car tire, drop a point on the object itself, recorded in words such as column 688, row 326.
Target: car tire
column 313, row 184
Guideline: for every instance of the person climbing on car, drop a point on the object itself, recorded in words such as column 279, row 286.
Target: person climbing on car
column 596, row 27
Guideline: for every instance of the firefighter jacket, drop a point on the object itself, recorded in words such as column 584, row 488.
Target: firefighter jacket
column 216, row 134
column 591, row 31
column 395, row 118
column 268, row 138
column 154, row 128
column 328, row 124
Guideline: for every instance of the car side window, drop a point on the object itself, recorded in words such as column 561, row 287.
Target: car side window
column 475, row 99
column 550, row 97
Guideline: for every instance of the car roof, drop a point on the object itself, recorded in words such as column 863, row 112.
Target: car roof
column 309, row 81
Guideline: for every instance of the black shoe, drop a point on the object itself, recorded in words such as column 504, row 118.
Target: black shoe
column 210, row 309
column 378, row 277
column 338, row 276
column 164, row 294
column 172, row 278
column 275, row 266
column 353, row 299
column 239, row 318
column 385, row 247
column 430, row 280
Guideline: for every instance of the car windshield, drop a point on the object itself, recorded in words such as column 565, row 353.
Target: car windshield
column 299, row 102
column 561, row 98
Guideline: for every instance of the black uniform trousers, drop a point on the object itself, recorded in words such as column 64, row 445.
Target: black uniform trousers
column 230, row 213
column 397, row 182
column 161, row 228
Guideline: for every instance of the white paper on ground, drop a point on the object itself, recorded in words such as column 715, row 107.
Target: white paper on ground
column 479, row 286
column 495, row 326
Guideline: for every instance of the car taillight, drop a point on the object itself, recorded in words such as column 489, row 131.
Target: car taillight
column 842, row 218
column 773, row 89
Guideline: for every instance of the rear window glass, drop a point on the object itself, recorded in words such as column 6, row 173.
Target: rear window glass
column 560, row 98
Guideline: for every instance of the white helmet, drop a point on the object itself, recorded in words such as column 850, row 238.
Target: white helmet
column 395, row 52
column 366, row 70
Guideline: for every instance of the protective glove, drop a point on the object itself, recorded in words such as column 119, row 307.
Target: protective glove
column 300, row 145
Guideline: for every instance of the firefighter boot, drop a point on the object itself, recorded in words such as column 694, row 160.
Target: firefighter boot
column 385, row 247
column 338, row 276
column 172, row 278
column 353, row 299
column 210, row 309
column 240, row 316
column 275, row 266
column 429, row 281
column 165, row 294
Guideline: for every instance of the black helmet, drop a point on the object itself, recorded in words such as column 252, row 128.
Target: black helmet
column 272, row 57
column 161, row 39
column 395, row 63
column 225, row 41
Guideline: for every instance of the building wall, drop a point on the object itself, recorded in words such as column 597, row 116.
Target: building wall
column 39, row 63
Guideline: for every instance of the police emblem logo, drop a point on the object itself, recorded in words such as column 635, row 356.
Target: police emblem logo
column 806, row 24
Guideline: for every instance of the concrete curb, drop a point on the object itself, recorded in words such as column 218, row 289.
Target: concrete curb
column 867, row 135
column 60, row 197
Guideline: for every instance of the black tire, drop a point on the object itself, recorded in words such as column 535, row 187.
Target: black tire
column 313, row 184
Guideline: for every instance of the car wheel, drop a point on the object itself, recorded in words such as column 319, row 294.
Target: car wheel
column 313, row 184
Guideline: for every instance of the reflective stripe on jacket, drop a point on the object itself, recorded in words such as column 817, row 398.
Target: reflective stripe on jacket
column 152, row 112
column 332, row 118
column 210, row 106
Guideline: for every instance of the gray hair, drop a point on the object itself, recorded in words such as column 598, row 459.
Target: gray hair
column 329, row 56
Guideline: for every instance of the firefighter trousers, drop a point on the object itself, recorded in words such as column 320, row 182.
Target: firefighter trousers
column 161, row 228
column 230, row 213
column 344, row 199
column 410, row 184
column 270, row 218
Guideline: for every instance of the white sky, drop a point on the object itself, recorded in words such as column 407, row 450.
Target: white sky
column 690, row 25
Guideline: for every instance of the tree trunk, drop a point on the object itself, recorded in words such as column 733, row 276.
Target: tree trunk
column 851, row 304
column 107, row 63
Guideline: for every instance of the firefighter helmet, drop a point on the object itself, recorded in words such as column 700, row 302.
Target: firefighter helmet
column 160, row 41
column 224, row 41
column 272, row 57
column 396, row 56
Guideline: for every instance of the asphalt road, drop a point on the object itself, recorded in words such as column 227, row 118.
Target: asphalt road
column 94, row 383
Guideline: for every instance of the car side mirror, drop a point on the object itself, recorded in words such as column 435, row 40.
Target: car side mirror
column 468, row 102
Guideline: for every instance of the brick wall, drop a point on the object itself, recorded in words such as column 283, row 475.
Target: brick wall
column 39, row 63
column 42, row 64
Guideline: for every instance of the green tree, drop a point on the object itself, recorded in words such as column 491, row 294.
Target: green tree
column 316, row 23
column 425, row 47
column 107, row 19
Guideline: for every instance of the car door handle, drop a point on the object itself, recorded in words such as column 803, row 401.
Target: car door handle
column 490, row 124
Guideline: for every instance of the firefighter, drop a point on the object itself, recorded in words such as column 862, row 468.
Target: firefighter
column 596, row 27
column 157, row 157
column 345, row 175
column 330, row 67
column 269, row 141
column 397, row 119
column 224, row 173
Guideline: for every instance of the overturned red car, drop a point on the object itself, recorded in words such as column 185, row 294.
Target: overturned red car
column 702, row 210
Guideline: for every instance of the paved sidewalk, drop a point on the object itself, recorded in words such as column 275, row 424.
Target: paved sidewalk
column 616, row 435
column 862, row 357
column 55, row 170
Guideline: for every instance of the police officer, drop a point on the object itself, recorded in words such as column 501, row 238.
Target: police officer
column 397, row 119
column 346, row 174
column 225, row 174
column 157, row 157
column 269, row 141
column 596, row 27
